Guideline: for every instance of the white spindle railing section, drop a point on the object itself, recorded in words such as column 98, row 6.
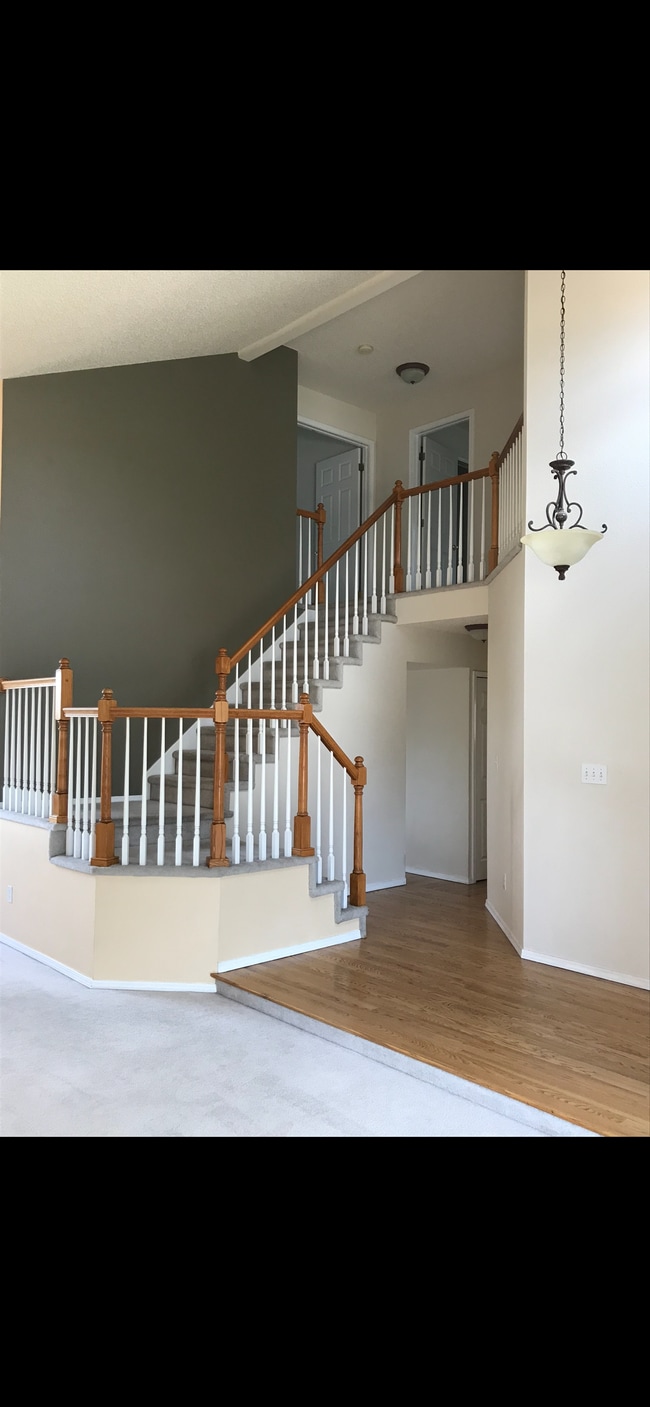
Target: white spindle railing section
column 512, row 507
column 30, row 750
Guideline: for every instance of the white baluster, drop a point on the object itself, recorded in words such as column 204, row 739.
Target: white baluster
column 5, row 780
column 382, row 606
column 284, row 662
column 160, row 857
column 11, row 699
column 409, row 581
column 294, row 686
column 418, row 561
column 346, row 633
column 273, row 667
column 38, row 776
column 236, row 842
column 69, row 835
column 178, row 853
column 450, row 548
column 355, row 617
column 85, row 837
column 316, row 665
column 261, row 844
column 427, row 576
column 482, row 561
column 250, row 838
column 93, row 790
column 460, row 577
column 288, row 838
column 391, row 574
column 331, row 859
column 326, row 630
column 337, row 625
column 53, row 754
column 24, row 801
column 260, row 698
column 470, row 532
column 275, row 833
column 301, row 529
column 305, row 682
column 319, row 856
column 438, row 494
column 77, row 810
column 373, row 601
column 143, row 802
column 344, row 844
column 309, row 552
column 196, row 841
column 31, row 797
column 364, row 621
column 127, row 788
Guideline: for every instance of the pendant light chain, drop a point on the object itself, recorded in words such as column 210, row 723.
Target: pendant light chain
column 561, row 454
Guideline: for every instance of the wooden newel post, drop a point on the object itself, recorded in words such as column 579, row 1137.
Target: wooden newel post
column 321, row 516
column 217, row 856
column 62, row 699
column 302, row 820
column 358, row 878
column 105, row 828
column 493, row 555
column 398, row 570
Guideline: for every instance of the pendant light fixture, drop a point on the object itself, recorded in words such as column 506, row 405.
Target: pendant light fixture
column 557, row 545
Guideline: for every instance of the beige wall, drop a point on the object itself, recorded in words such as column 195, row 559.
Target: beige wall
column 437, row 772
column 53, row 910
column 505, row 779
column 586, row 655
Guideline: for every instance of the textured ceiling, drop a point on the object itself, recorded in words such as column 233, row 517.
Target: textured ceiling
column 461, row 322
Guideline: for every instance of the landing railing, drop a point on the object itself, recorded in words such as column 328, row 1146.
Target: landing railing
column 275, row 783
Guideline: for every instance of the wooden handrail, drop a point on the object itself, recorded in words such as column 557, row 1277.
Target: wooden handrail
column 164, row 712
column 312, row 580
column 341, row 756
column 446, row 483
column 25, row 683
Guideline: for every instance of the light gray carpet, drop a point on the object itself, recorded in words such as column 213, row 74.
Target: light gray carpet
column 91, row 1063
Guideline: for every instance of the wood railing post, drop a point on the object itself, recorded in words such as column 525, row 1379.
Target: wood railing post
column 358, row 878
column 217, row 857
column 493, row 555
column 105, row 827
column 398, row 570
column 62, row 699
column 321, row 517
column 302, row 820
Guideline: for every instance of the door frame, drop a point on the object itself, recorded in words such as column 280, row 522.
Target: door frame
column 368, row 446
column 416, row 434
column 473, row 775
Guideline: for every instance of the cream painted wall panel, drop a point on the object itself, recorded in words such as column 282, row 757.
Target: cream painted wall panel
column 437, row 772
column 160, row 929
column 586, row 669
column 53, row 910
column 505, row 779
column 263, row 912
column 497, row 402
column 325, row 410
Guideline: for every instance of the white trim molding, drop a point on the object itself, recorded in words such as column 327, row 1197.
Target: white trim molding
column 602, row 972
column 232, row 964
column 504, row 927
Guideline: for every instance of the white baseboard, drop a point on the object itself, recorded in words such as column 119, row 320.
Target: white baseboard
column 504, row 928
column 435, row 874
column 89, row 982
column 588, row 971
column 233, row 963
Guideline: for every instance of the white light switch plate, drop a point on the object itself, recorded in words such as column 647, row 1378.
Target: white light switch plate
column 595, row 772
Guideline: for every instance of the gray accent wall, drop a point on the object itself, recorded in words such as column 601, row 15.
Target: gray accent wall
column 148, row 518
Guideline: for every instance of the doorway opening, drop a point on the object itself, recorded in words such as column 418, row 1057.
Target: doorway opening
column 337, row 471
column 440, row 451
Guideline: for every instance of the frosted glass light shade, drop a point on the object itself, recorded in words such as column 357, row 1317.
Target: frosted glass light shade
column 561, row 547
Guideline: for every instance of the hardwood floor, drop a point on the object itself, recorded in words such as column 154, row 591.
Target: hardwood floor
column 437, row 980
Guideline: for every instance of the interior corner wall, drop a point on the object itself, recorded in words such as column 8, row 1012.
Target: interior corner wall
column 505, row 761
column 148, row 518
column 437, row 773
column 586, row 662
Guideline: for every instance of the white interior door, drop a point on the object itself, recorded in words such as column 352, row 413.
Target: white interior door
column 337, row 488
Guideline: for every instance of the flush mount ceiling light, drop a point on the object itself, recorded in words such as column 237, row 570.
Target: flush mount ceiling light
column 478, row 632
column 412, row 372
column 556, row 545
column 364, row 348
